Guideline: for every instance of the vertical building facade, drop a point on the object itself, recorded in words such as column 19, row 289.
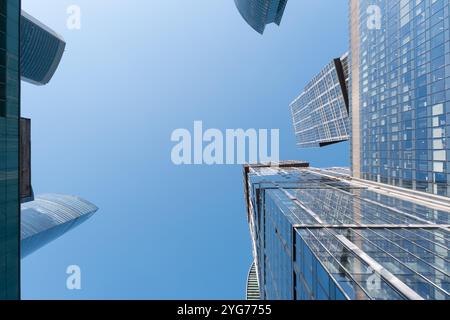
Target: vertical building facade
column 400, row 95
column 320, row 112
column 259, row 13
column 380, row 231
column 318, row 234
column 9, row 149
column 31, row 51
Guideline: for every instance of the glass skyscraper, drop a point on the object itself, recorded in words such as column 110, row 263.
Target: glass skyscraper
column 29, row 51
column 319, row 234
column 41, row 50
column 380, row 230
column 320, row 113
column 259, row 13
column 9, row 150
column 400, row 93
column 50, row 216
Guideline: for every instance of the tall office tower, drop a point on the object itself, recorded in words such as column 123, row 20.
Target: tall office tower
column 41, row 50
column 399, row 93
column 320, row 234
column 259, row 13
column 50, row 216
column 9, row 150
column 320, row 113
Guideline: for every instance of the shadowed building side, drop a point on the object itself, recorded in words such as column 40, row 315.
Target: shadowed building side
column 259, row 13
column 50, row 216
column 9, row 150
column 41, row 50
column 26, row 189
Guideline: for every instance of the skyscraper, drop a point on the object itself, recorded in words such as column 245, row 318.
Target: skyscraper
column 321, row 234
column 381, row 229
column 50, row 216
column 31, row 51
column 9, row 150
column 400, row 93
column 320, row 112
column 259, row 13
column 41, row 50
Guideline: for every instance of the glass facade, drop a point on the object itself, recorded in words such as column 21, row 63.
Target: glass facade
column 50, row 216
column 320, row 235
column 320, row 113
column 252, row 292
column 41, row 50
column 9, row 150
column 401, row 84
column 259, row 13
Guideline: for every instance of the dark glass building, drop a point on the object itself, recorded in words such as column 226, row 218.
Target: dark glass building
column 259, row 13
column 320, row 113
column 322, row 235
column 9, row 150
column 401, row 93
column 41, row 50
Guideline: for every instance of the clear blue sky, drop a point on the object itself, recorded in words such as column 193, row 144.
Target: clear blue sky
column 101, row 129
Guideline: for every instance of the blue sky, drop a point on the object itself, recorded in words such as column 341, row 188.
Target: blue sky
column 136, row 71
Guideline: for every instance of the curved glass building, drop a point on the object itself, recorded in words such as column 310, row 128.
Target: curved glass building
column 259, row 13
column 41, row 50
column 50, row 216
